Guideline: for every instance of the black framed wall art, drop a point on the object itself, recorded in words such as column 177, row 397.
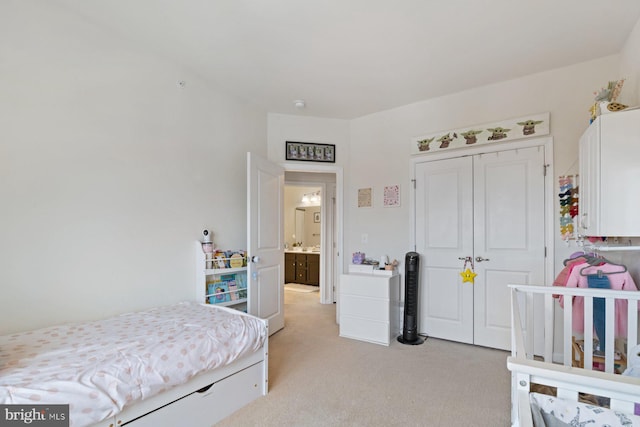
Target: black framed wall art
column 310, row 152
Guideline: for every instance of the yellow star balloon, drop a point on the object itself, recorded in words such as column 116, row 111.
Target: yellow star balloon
column 468, row 275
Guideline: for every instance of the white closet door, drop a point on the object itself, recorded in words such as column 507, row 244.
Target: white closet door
column 444, row 233
column 489, row 207
column 508, row 233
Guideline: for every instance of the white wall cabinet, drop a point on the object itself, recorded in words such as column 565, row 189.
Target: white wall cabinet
column 369, row 307
column 609, row 174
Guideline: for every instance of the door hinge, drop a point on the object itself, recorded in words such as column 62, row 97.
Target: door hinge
column 545, row 251
column 414, row 183
column 544, row 169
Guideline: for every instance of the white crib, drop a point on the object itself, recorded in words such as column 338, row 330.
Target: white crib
column 527, row 368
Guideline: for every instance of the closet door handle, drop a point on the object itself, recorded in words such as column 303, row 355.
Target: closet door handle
column 480, row 259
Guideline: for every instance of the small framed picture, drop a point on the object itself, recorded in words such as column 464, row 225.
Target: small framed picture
column 391, row 196
column 365, row 198
column 316, row 217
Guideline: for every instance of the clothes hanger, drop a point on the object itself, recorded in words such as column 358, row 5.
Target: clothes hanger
column 574, row 256
column 589, row 258
column 600, row 273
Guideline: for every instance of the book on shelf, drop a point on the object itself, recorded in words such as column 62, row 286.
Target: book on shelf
column 233, row 290
column 218, row 292
column 242, row 285
column 220, row 262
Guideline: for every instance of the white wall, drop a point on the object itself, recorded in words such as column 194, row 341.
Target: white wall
column 630, row 68
column 383, row 141
column 108, row 170
column 283, row 127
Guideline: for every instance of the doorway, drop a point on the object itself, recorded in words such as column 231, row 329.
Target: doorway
column 302, row 213
column 321, row 219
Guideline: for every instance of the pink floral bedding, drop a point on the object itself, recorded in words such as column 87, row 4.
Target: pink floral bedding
column 99, row 367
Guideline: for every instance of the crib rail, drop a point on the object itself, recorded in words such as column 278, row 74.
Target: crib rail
column 623, row 392
column 568, row 380
column 524, row 321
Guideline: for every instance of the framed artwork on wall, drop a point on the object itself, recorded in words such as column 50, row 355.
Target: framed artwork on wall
column 310, row 152
column 365, row 199
column 391, row 196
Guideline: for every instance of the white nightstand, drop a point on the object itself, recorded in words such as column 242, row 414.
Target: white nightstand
column 370, row 307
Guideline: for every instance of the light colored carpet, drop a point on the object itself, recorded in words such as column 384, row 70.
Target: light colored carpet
column 320, row 379
column 296, row 287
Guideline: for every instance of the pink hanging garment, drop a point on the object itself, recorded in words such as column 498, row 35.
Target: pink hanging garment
column 619, row 281
column 563, row 276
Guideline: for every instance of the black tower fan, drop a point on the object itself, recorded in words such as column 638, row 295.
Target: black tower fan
column 410, row 328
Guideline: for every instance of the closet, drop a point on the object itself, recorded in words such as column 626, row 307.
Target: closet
column 485, row 212
column 609, row 172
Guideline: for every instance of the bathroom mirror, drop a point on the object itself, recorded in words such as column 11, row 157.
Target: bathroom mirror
column 307, row 225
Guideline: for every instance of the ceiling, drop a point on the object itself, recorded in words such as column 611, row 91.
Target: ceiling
column 349, row 58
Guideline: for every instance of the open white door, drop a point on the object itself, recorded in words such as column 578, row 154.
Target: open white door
column 265, row 189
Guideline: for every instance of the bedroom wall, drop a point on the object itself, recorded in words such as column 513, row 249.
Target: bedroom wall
column 379, row 148
column 108, row 170
column 630, row 67
column 284, row 127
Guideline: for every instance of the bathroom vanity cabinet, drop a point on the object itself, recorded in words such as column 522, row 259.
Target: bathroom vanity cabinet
column 302, row 267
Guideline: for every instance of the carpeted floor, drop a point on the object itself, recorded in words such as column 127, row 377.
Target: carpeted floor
column 317, row 378
column 296, row 287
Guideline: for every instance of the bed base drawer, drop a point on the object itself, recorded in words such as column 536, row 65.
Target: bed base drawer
column 209, row 405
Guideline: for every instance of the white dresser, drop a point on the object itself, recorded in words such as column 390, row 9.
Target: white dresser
column 370, row 307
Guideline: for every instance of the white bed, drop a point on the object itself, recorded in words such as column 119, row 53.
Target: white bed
column 186, row 364
column 621, row 392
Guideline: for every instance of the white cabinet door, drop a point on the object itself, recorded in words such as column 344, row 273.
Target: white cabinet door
column 609, row 172
column 488, row 207
column 589, row 180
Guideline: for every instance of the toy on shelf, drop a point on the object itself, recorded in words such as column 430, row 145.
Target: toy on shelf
column 606, row 100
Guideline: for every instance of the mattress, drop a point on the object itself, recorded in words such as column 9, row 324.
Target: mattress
column 99, row 367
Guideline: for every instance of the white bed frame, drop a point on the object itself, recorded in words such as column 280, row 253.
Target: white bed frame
column 623, row 391
column 205, row 399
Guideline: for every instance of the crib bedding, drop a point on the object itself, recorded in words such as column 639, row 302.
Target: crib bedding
column 99, row 367
column 549, row 411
